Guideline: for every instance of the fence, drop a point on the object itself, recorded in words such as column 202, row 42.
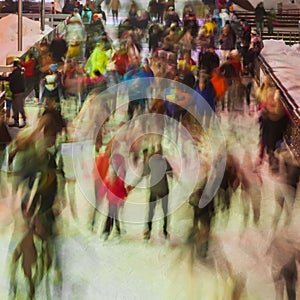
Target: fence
column 52, row 20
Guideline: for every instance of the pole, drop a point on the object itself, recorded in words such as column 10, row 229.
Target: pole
column 20, row 25
column 42, row 15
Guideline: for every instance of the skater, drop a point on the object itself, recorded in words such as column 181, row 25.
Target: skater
column 158, row 167
column 116, row 193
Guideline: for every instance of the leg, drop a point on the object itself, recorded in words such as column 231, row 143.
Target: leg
column 246, row 206
column 15, row 111
column 152, row 204
column 248, row 93
column 20, row 103
column 256, row 201
column 278, row 211
column 165, row 202
column 116, row 217
column 289, row 273
column 112, row 214
column 196, row 217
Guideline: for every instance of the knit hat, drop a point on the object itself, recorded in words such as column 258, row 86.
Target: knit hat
column 53, row 67
column 16, row 62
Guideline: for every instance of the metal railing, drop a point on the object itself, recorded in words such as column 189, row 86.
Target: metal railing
column 290, row 37
column 52, row 20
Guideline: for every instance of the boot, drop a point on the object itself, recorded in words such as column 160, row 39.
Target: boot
column 15, row 124
column 23, row 125
column 147, row 235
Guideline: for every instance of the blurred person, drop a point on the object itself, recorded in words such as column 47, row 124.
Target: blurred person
column 115, row 5
column 100, row 13
column 202, row 219
column 161, row 10
column 247, row 81
column 236, row 101
column 102, row 163
column 274, row 121
column 224, row 15
column 8, row 100
column 235, row 60
column 205, row 88
column 32, row 257
column 228, row 72
column 227, row 42
column 286, row 185
column 78, row 7
column 132, row 11
column 260, row 14
column 155, row 37
column 153, row 10
column 190, row 21
column 168, row 4
column 51, row 123
column 210, row 26
column 51, row 85
column 271, row 20
column 41, row 215
column 71, row 78
column 43, row 47
column 186, row 40
column 179, row 97
column 69, row 6
column 284, row 254
column 208, row 60
column 229, row 184
column 17, row 86
column 5, row 140
column 75, row 30
column 250, row 184
column 202, row 40
column 98, row 61
column 138, row 102
column 58, row 49
column 29, row 64
column 186, row 63
column 171, row 17
column 116, row 193
column 158, row 167
column 87, row 14
column 256, row 45
column 24, row 161
column 169, row 42
column 133, row 50
column 108, row 43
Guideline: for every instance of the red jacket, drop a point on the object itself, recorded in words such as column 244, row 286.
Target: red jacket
column 114, row 189
column 29, row 66
column 121, row 62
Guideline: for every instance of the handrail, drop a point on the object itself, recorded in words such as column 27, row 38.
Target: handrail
column 50, row 19
column 292, row 135
column 295, row 11
column 289, row 101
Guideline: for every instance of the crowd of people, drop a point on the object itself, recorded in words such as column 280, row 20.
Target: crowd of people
column 214, row 61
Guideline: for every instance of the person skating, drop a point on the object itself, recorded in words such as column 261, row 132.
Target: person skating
column 17, row 86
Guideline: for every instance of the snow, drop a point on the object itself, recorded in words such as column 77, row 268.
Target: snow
column 9, row 35
column 285, row 61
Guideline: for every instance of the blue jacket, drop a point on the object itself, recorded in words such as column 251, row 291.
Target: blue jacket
column 208, row 94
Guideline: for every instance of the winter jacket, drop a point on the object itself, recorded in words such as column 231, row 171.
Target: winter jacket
column 16, row 81
column 208, row 93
